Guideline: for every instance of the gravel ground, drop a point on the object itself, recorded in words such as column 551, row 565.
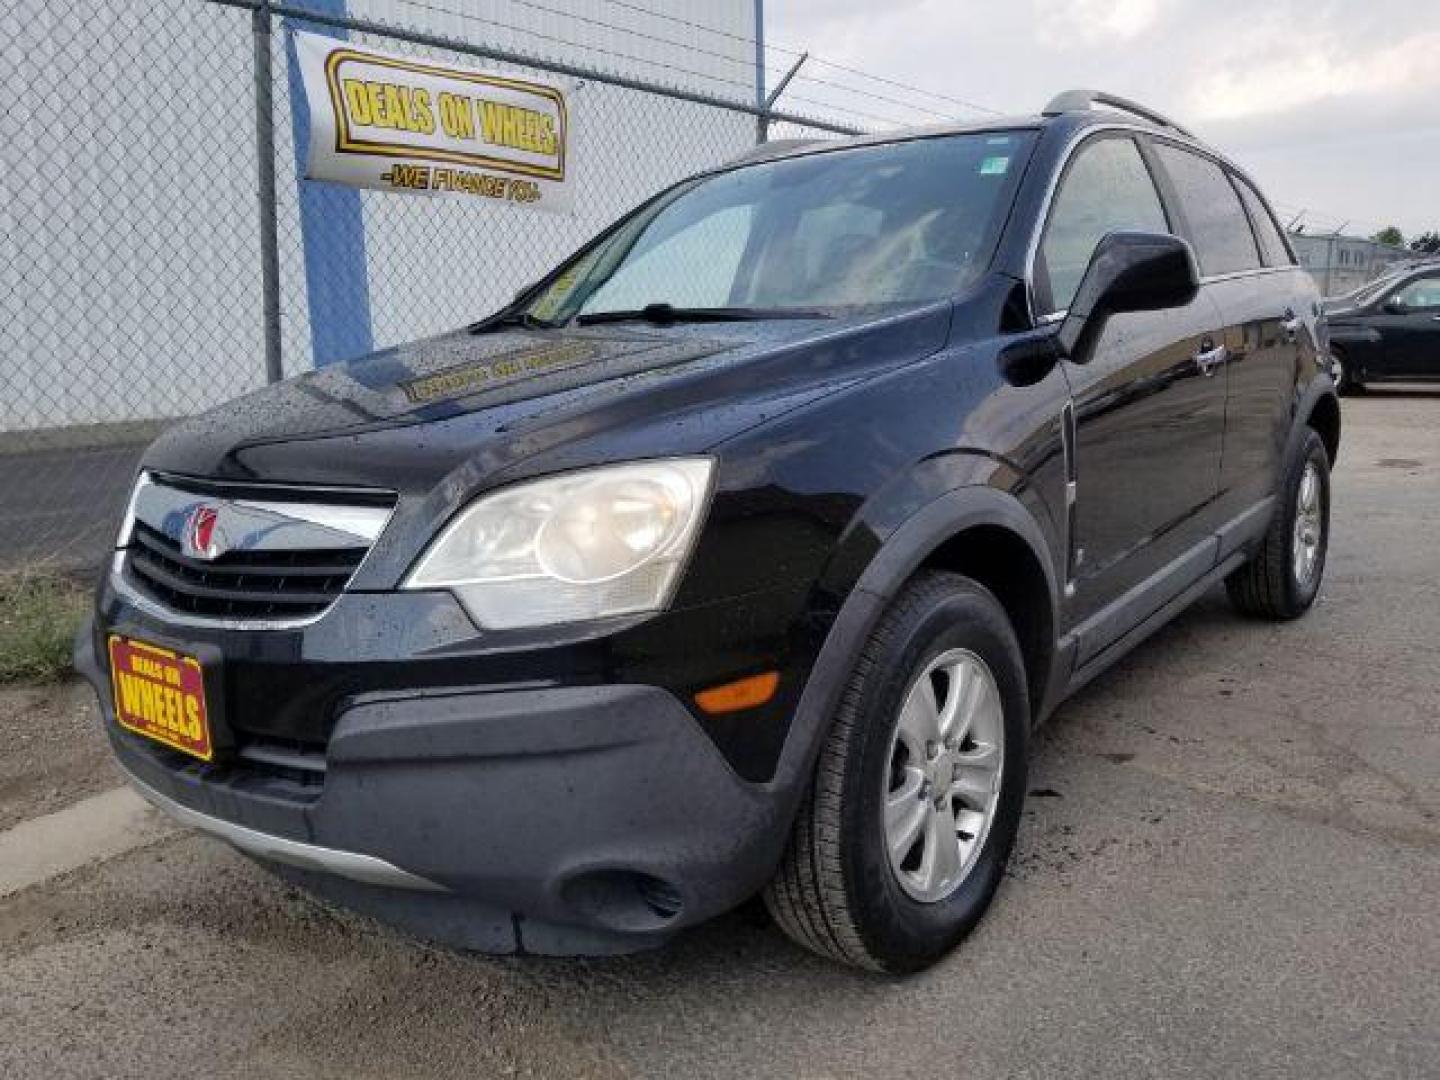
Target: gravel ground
column 1229, row 866
column 51, row 752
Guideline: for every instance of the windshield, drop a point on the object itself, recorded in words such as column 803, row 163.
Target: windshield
column 898, row 223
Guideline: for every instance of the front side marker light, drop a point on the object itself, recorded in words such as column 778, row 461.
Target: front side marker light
column 744, row 693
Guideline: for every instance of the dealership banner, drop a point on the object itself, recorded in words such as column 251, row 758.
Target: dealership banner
column 402, row 124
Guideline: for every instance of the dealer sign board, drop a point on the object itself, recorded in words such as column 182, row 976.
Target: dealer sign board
column 398, row 123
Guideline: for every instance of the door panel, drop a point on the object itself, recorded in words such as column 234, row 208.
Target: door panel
column 1149, row 431
column 1411, row 338
column 1419, row 356
column 1264, row 359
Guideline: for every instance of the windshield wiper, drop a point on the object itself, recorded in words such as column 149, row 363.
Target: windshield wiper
column 516, row 317
column 666, row 314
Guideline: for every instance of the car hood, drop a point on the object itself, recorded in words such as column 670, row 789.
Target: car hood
column 483, row 403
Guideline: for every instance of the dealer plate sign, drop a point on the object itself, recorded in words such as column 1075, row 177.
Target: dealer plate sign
column 409, row 124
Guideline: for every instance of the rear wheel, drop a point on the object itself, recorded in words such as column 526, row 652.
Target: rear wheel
column 903, row 837
column 1283, row 578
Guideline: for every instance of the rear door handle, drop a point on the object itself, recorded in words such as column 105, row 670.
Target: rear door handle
column 1210, row 357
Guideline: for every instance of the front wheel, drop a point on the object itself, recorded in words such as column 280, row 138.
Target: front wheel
column 916, row 798
column 1283, row 578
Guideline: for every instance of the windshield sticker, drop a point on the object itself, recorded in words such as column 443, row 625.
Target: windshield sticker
column 547, row 307
column 994, row 166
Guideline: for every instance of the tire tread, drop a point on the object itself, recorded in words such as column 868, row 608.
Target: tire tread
column 808, row 896
column 1261, row 588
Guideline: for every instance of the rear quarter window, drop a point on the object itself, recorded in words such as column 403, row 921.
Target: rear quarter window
column 1219, row 227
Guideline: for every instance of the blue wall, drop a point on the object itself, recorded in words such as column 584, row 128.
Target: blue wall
column 332, row 228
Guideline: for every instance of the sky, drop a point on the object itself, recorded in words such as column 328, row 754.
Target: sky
column 1332, row 105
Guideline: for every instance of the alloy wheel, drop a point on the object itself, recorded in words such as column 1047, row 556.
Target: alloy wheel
column 1309, row 525
column 943, row 781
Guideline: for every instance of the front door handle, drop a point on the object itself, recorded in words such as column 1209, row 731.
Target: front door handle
column 1210, row 357
column 1435, row 318
column 1290, row 324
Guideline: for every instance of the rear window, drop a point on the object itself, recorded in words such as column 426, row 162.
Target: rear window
column 1272, row 244
column 1219, row 228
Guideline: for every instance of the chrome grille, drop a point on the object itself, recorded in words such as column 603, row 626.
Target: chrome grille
column 241, row 585
column 268, row 555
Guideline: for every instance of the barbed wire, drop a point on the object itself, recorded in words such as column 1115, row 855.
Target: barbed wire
column 914, row 89
column 1324, row 221
column 434, row 7
column 791, row 51
column 534, row 5
column 588, row 47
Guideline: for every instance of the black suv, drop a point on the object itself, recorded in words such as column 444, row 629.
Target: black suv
column 1388, row 331
column 741, row 553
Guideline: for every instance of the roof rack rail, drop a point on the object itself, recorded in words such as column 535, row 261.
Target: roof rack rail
column 1085, row 100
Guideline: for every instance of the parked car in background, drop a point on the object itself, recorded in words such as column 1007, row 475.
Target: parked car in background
column 1389, row 331
column 739, row 554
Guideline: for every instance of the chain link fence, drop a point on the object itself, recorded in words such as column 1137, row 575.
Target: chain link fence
column 137, row 218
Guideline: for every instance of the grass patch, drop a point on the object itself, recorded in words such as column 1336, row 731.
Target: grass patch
column 40, row 611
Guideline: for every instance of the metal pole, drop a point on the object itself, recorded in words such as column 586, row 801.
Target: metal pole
column 1329, row 264
column 769, row 105
column 762, row 126
column 265, row 174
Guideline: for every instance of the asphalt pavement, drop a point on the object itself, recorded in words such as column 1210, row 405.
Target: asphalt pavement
column 1229, row 866
column 61, row 506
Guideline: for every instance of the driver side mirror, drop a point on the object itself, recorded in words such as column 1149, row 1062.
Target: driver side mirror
column 1129, row 271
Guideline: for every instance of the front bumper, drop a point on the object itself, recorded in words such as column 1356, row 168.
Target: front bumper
column 557, row 819
column 268, row 847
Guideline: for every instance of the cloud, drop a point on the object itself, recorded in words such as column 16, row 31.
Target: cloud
column 1066, row 23
column 1321, row 66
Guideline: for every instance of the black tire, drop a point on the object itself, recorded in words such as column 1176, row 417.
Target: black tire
column 1267, row 586
column 835, row 891
column 1342, row 374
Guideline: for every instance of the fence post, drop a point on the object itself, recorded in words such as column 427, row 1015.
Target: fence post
column 762, row 123
column 768, row 105
column 265, row 174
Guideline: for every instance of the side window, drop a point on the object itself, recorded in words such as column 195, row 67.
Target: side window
column 1106, row 187
column 1421, row 294
column 1219, row 228
column 1272, row 244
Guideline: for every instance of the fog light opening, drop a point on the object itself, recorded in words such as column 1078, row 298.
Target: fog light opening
column 625, row 900
column 660, row 896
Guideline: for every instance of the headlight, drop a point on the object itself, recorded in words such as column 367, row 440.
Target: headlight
column 584, row 545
